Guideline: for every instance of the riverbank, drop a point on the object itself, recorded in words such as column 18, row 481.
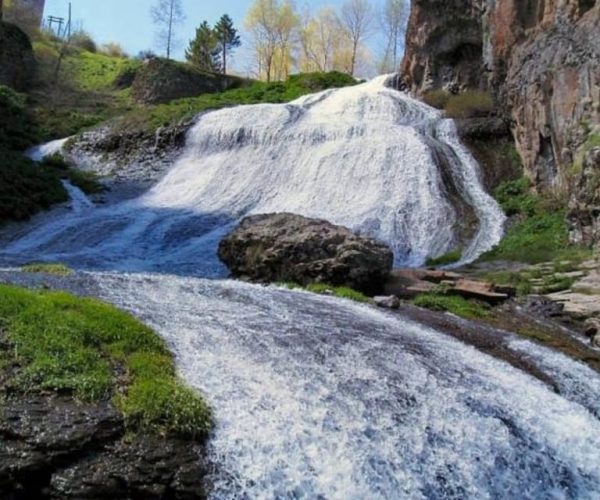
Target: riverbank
column 91, row 405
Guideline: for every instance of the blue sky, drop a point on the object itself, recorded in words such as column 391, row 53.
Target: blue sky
column 129, row 23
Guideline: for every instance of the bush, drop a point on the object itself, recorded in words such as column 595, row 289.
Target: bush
column 16, row 128
column 515, row 197
column 113, row 49
column 83, row 40
column 437, row 98
column 470, row 104
column 26, row 188
column 86, row 181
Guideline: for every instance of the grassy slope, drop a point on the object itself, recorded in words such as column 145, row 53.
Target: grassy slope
column 89, row 349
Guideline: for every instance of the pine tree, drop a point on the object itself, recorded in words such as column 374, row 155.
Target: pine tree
column 204, row 51
column 228, row 39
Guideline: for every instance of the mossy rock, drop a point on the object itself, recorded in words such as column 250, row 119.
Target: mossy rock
column 17, row 64
column 161, row 81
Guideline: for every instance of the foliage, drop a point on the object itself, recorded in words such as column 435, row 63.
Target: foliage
column 515, row 197
column 25, row 188
column 56, row 269
column 460, row 306
column 16, row 129
column 443, row 260
column 469, row 104
column 83, row 40
column 204, row 51
column 82, row 346
column 437, row 98
column 152, row 117
column 113, row 49
column 227, row 38
column 86, row 181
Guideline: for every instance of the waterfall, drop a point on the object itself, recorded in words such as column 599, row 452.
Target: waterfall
column 367, row 157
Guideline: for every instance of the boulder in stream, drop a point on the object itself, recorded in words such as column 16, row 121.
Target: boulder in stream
column 288, row 247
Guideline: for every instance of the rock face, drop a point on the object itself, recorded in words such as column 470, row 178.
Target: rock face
column 288, row 247
column 160, row 81
column 539, row 58
column 53, row 447
column 17, row 64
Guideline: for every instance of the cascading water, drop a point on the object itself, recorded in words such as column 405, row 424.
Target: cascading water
column 367, row 157
column 315, row 397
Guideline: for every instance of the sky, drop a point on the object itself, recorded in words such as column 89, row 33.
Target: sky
column 129, row 23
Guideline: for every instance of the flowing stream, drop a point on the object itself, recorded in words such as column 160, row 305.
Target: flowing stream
column 316, row 397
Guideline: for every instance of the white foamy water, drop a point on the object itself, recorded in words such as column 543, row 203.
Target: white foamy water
column 367, row 157
column 316, row 397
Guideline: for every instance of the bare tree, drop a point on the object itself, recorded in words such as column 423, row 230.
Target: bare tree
column 357, row 20
column 394, row 16
column 166, row 15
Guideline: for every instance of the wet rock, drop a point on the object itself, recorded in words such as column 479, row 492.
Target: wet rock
column 542, row 306
column 54, row 447
column 387, row 302
column 289, row 247
column 17, row 64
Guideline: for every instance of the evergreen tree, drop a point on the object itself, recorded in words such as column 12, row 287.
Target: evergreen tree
column 204, row 51
column 228, row 39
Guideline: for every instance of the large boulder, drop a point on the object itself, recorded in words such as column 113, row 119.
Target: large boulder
column 289, row 247
column 17, row 64
column 161, row 80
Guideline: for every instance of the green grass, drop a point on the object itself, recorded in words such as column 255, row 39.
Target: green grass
column 57, row 269
column 93, row 351
column 437, row 98
column 460, row 306
column 149, row 118
column 343, row 292
column 469, row 104
column 446, row 259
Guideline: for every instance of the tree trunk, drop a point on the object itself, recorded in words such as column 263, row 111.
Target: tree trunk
column 170, row 32
column 353, row 61
column 224, row 58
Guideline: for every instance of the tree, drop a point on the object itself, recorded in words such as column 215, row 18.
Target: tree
column 228, row 39
column 393, row 22
column 166, row 15
column 272, row 24
column 203, row 51
column 357, row 20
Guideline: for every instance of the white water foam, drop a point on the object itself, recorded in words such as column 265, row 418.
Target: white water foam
column 367, row 157
column 316, row 397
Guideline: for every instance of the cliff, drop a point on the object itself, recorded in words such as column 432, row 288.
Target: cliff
column 540, row 59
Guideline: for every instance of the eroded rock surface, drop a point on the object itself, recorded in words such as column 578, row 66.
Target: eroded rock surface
column 17, row 64
column 541, row 61
column 289, row 247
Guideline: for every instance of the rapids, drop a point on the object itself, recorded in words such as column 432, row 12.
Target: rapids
column 316, row 397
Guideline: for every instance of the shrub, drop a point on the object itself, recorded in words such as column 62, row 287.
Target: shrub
column 25, row 188
column 437, row 98
column 83, row 40
column 515, row 197
column 86, row 181
column 113, row 49
column 16, row 127
column 469, row 104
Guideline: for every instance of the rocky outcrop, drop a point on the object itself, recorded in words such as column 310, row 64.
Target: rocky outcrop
column 541, row 61
column 54, row 447
column 289, row 247
column 160, row 80
column 17, row 64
